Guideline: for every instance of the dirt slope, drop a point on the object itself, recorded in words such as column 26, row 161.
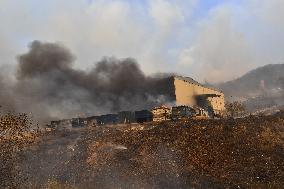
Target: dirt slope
column 242, row 153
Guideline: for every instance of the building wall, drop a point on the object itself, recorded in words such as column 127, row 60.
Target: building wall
column 143, row 116
column 126, row 117
column 185, row 92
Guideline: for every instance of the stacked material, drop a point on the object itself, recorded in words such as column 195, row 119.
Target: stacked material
column 161, row 113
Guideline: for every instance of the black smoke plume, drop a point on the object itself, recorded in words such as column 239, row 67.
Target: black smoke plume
column 48, row 86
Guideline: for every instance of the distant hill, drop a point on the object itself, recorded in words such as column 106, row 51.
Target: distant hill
column 260, row 88
column 258, row 82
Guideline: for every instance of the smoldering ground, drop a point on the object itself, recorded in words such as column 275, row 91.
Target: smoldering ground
column 47, row 85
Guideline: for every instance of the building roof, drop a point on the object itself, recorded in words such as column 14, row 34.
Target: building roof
column 190, row 80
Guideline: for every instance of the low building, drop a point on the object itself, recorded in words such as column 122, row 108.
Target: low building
column 92, row 121
column 143, row 116
column 161, row 113
column 61, row 124
column 108, row 119
column 65, row 124
column 125, row 117
column 79, row 122
column 54, row 124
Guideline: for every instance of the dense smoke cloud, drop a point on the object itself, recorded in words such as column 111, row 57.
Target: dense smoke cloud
column 48, row 86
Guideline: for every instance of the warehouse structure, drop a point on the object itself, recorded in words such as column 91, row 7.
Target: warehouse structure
column 191, row 93
column 125, row 117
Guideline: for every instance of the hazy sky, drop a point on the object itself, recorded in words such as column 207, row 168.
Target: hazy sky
column 211, row 40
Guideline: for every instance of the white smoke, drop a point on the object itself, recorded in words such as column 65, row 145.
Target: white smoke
column 215, row 43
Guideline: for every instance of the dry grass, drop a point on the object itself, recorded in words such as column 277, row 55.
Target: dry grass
column 226, row 153
column 15, row 135
column 241, row 153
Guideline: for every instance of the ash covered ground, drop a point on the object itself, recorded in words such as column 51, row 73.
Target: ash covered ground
column 229, row 153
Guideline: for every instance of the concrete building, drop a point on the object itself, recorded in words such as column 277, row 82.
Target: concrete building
column 126, row 117
column 92, row 121
column 61, row 124
column 78, row 122
column 189, row 92
column 143, row 116
column 108, row 119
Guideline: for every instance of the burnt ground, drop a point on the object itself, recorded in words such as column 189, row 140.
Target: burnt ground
column 240, row 153
column 46, row 161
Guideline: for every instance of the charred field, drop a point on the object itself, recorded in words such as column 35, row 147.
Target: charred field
column 226, row 153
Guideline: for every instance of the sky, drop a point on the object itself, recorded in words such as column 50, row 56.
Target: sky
column 209, row 40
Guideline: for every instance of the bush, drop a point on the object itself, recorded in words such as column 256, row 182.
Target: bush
column 234, row 108
column 15, row 134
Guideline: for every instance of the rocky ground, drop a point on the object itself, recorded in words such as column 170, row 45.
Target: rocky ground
column 241, row 153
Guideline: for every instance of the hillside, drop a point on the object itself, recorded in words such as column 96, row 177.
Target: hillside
column 259, row 89
column 266, row 80
column 228, row 153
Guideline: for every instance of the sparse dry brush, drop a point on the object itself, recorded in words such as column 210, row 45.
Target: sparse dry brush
column 228, row 153
column 15, row 134
column 53, row 184
column 235, row 108
column 225, row 153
